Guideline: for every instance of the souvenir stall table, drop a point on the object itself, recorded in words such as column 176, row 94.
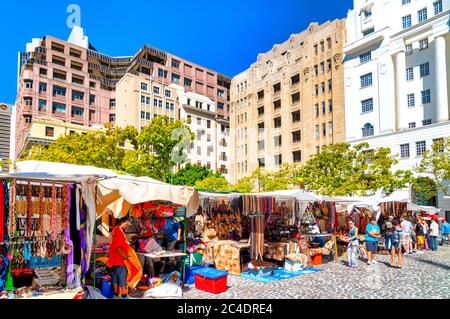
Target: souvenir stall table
column 152, row 204
column 45, row 234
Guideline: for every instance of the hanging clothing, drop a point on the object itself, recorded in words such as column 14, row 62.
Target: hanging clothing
column 2, row 212
column 74, row 232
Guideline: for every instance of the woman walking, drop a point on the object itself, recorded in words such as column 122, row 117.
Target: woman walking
column 352, row 248
column 396, row 248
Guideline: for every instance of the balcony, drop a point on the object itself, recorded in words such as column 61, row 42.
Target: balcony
column 223, row 158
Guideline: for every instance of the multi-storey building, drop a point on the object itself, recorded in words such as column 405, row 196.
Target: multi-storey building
column 290, row 102
column 5, row 133
column 396, row 66
column 210, row 146
column 73, row 82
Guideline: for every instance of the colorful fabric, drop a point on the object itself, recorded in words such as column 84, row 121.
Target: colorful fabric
column 2, row 212
column 4, row 221
column 171, row 229
column 118, row 240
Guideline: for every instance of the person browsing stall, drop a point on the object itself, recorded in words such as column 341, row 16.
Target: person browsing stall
column 396, row 247
column 352, row 248
column 117, row 255
column 173, row 233
column 372, row 237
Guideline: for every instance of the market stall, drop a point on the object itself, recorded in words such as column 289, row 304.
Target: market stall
column 45, row 233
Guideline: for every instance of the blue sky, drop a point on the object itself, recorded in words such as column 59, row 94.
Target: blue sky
column 225, row 36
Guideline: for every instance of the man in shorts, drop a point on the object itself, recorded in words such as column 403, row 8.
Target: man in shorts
column 118, row 253
column 372, row 237
column 406, row 240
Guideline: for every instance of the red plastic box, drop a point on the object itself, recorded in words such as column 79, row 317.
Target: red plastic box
column 211, row 280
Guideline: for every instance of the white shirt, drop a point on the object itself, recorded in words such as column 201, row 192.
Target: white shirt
column 434, row 229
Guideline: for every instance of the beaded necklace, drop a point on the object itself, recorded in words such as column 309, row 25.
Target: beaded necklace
column 65, row 210
column 53, row 218
column 12, row 211
column 29, row 210
column 41, row 211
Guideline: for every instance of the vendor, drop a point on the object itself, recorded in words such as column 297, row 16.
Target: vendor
column 117, row 256
column 314, row 229
column 173, row 233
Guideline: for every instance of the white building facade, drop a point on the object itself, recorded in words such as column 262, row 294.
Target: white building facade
column 396, row 73
column 210, row 145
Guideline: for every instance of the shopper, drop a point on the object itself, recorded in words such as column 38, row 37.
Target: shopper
column 372, row 237
column 352, row 248
column 173, row 233
column 426, row 229
column 420, row 235
column 434, row 233
column 406, row 240
column 118, row 253
column 396, row 249
column 413, row 245
column 388, row 229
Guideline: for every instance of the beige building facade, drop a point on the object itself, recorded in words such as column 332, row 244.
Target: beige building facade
column 290, row 102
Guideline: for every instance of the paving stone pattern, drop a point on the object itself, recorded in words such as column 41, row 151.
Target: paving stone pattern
column 424, row 275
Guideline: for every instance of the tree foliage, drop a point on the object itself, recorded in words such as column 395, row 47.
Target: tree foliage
column 214, row 184
column 192, row 173
column 153, row 152
column 436, row 165
column 343, row 170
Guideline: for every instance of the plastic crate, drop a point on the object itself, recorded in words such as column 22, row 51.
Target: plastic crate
column 190, row 274
column 211, row 280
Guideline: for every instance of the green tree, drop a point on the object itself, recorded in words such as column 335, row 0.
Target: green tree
column 343, row 170
column 191, row 173
column 214, row 184
column 436, row 164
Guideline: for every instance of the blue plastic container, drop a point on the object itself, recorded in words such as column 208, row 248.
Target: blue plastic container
column 107, row 289
column 211, row 273
column 190, row 274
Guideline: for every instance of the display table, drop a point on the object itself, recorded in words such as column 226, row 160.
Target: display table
column 278, row 250
column 156, row 256
column 227, row 255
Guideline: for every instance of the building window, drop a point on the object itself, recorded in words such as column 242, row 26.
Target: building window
column 295, row 79
column 168, row 93
column 316, row 49
column 175, row 78
column 317, row 131
column 440, row 141
column 77, row 111
column 187, row 82
column 296, row 116
column 59, row 75
column 329, row 43
column 77, row 95
column 424, row 69
column 317, row 89
column 28, row 84
column 295, row 97
column 322, row 67
column 42, row 72
column 160, row 103
column 324, row 129
column 49, row 131
column 175, row 64
column 59, row 108
column 367, row 13
column 112, row 103
column 365, row 57
column 276, row 88
column 144, row 86
column 297, row 156
column 404, row 151
column 367, row 130
column 167, row 106
column 323, row 87
column 220, row 105
column 330, row 106
column 330, row 128
column 28, row 119
column 408, row 49
column 277, row 104
column 277, row 141
column 437, row 7
column 420, row 148
column 426, row 122
column 277, row 122
column 261, row 95
column 368, row 31
column 42, row 87
column 261, row 111
column 409, row 74
column 278, row 160
column 422, row 15
column 91, row 99
column 411, row 100
column 59, row 91
column 406, row 21
column 366, row 80
column 367, row 105
column 220, row 93
column 261, row 162
column 112, row 118
column 423, row 44
column 156, row 90
column 261, row 145
column 28, row 101
column 330, row 85
column 296, row 136
column 405, row 2
column 412, row 125
column 324, row 108
column 316, row 70
column 142, row 115
column 42, row 105
column 426, row 96
column 317, row 110
column 162, row 73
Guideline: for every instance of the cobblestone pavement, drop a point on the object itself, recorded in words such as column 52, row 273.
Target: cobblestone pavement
column 424, row 275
